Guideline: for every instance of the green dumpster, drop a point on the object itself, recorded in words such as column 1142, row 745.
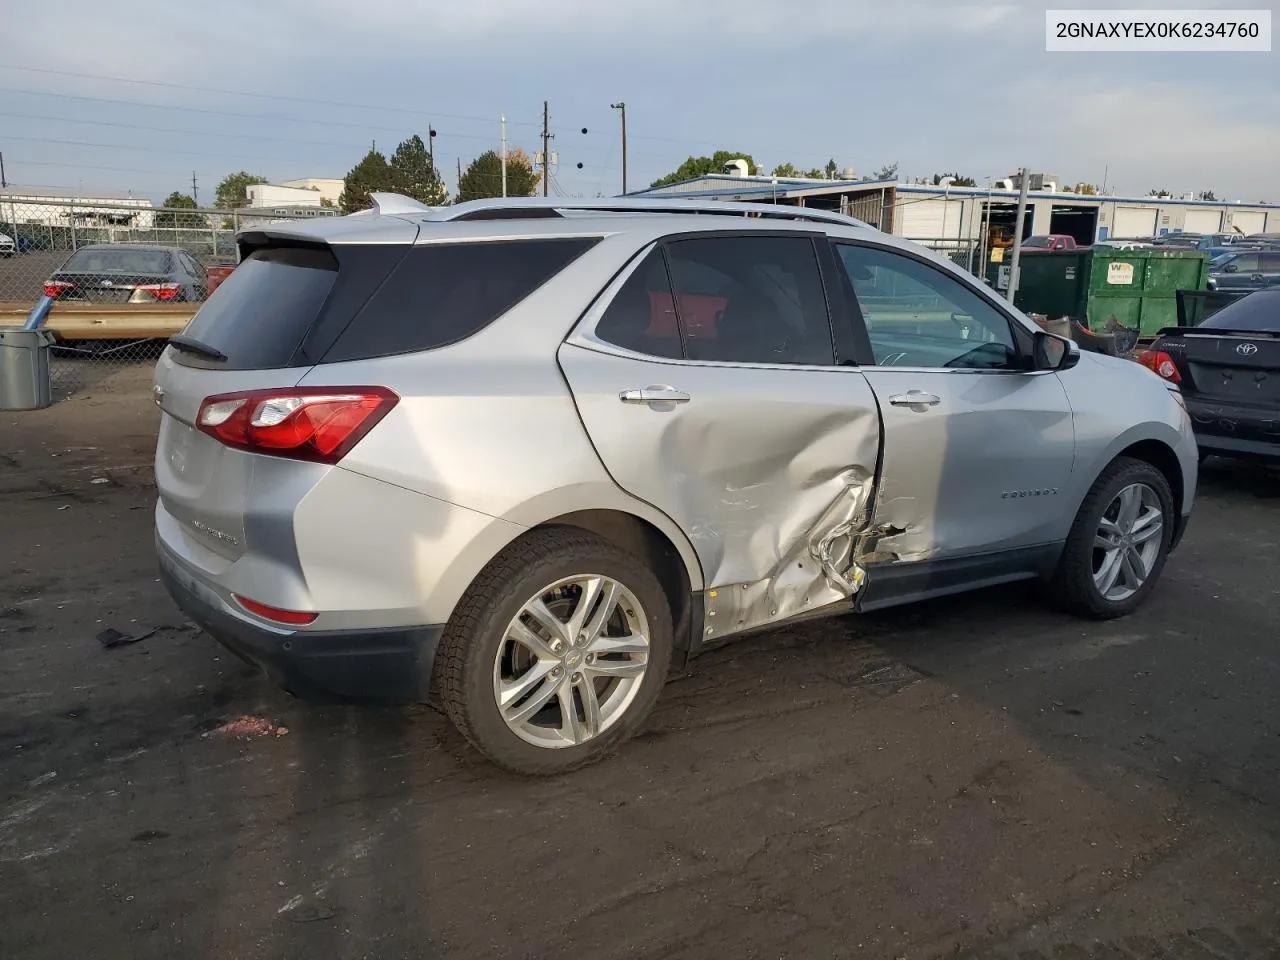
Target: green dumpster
column 1135, row 288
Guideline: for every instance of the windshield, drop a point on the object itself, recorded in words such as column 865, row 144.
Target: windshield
column 117, row 260
column 1037, row 242
column 1221, row 260
column 1257, row 313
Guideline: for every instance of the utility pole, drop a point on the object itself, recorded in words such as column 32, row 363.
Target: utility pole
column 431, row 148
column 622, row 107
column 503, row 122
column 459, row 174
column 195, row 196
column 4, row 184
column 1024, row 177
column 546, row 148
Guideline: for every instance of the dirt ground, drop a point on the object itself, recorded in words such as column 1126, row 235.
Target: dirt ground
column 975, row 777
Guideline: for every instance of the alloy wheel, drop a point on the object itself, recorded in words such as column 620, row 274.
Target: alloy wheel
column 1127, row 542
column 571, row 661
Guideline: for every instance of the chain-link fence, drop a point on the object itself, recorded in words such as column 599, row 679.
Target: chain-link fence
column 963, row 253
column 112, row 278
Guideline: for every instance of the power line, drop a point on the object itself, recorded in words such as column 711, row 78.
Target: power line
column 244, row 93
column 207, row 133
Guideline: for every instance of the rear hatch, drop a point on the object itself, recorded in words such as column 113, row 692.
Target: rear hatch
column 230, row 477
column 1229, row 367
column 257, row 332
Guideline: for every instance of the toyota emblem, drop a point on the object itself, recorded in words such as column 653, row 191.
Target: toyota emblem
column 1247, row 349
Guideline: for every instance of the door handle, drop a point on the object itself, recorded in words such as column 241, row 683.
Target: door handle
column 915, row 398
column 654, row 394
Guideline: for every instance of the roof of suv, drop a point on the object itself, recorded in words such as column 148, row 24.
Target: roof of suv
column 394, row 218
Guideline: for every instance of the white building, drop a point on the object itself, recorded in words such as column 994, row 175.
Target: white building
column 329, row 188
column 307, row 192
column 64, row 209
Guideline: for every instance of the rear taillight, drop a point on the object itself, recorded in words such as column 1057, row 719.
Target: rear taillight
column 161, row 291
column 304, row 423
column 295, row 618
column 1161, row 363
column 55, row 288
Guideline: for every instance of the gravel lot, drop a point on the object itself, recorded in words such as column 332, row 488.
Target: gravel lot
column 974, row 777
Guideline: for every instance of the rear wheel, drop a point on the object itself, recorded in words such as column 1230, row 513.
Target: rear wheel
column 557, row 653
column 1118, row 544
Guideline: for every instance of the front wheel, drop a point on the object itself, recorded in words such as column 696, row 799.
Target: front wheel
column 1118, row 544
column 557, row 652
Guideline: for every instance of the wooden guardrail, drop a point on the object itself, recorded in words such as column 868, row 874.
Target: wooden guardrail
column 88, row 321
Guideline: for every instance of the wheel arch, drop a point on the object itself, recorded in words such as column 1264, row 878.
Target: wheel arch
column 1161, row 456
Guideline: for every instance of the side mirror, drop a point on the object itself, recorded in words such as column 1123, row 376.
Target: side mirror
column 1055, row 353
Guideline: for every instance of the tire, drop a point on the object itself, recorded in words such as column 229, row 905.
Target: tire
column 485, row 621
column 1073, row 585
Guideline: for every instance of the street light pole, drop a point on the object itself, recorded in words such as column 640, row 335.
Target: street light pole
column 622, row 108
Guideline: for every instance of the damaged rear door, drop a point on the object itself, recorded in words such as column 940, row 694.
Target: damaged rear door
column 709, row 382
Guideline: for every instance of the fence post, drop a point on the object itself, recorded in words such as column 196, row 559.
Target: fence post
column 74, row 245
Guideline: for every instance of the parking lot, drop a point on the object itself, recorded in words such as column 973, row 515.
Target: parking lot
column 979, row 776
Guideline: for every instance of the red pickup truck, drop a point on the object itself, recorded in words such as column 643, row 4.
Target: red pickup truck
column 1051, row 241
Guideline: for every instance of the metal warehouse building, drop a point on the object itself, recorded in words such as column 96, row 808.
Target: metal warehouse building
column 958, row 214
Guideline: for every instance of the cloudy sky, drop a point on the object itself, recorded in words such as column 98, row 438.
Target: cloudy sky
column 133, row 95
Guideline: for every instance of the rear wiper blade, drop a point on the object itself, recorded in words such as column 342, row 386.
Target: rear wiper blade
column 192, row 345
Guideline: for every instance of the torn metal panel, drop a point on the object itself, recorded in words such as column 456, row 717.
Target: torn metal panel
column 767, row 470
column 817, row 570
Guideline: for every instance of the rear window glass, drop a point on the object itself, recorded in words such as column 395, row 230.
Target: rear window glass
column 260, row 313
column 115, row 260
column 443, row 293
column 1257, row 313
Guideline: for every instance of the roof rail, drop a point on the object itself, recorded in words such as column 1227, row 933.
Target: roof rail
column 520, row 208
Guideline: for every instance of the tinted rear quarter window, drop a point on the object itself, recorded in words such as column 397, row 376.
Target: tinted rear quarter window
column 260, row 313
column 443, row 293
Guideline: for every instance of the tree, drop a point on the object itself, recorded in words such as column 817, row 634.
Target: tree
column 888, row 172
column 179, row 201
column 957, row 180
column 831, row 169
column 414, row 175
column 233, row 190
column 1206, row 195
column 371, row 175
column 483, row 178
column 790, row 170
column 1086, row 189
column 1159, row 193
column 701, row 166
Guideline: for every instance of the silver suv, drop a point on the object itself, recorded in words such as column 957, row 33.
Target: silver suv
column 526, row 455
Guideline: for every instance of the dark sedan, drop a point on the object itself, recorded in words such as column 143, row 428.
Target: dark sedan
column 127, row 273
column 1228, row 369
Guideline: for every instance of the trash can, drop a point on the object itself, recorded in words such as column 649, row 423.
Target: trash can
column 24, row 369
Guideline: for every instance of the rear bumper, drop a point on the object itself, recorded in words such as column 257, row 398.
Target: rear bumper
column 385, row 666
column 1233, row 430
